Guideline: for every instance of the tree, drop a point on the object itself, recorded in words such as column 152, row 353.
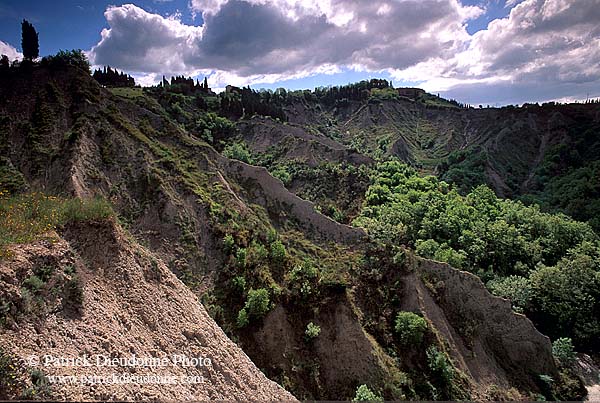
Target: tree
column 4, row 62
column 29, row 41
column 410, row 328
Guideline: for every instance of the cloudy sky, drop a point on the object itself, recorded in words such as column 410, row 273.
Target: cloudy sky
column 477, row 51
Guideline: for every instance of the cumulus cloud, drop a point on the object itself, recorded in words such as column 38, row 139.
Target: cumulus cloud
column 541, row 42
column 283, row 38
column 11, row 52
column 542, row 48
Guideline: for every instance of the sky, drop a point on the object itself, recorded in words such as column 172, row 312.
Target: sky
column 491, row 52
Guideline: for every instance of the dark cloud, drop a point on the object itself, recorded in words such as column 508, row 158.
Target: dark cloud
column 542, row 42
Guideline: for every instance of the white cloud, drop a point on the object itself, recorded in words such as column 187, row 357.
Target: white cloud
column 553, row 44
column 11, row 52
column 550, row 43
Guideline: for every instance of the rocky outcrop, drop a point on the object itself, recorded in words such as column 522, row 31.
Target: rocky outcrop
column 132, row 306
column 492, row 343
column 262, row 188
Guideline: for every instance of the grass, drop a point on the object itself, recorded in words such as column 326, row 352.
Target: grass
column 130, row 93
column 27, row 217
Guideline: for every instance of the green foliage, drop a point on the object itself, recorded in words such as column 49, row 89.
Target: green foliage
column 465, row 168
column 440, row 366
column 567, row 296
column 11, row 179
column 40, row 386
column 210, row 126
column 364, row 394
column 239, row 284
column 547, row 265
column 563, row 351
column 312, row 331
column 63, row 58
column 238, row 151
column 278, row 252
column 517, row 289
column 33, row 283
column 228, row 243
column 258, row 303
column 410, row 328
column 240, row 257
column 10, row 376
column 26, row 217
column 243, row 318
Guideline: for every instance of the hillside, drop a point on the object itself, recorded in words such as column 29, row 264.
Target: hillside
column 253, row 215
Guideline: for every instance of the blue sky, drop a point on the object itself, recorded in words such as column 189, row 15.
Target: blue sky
column 475, row 51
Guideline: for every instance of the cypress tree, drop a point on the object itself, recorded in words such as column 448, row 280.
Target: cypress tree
column 29, row 41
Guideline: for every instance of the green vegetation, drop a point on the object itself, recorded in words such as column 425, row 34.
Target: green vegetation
column 563, row 351
column 26, row 217
column 312, row 331
column 237, row 151
column 410, row 328
column 547, row 265
column 364, row 394
column 257, row 306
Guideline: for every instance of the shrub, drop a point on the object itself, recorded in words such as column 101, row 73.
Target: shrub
column 278, row 252
column 10, row 376
column 33, row 283
column 563, row 351
column 240, row 257
column 312, row 331
column 242, row 318
column 228, row 243
column 258, row 304
column 410, row 328
column 40, row 386
column 239, row 284
column 238, row 151
column 515, row 288
column 364, row 394
column 439, row 365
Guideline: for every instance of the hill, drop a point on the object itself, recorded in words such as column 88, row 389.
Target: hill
column 234, row 206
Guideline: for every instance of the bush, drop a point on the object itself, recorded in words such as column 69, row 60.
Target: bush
column 239, row 284
column 440, row 366
column 258, row 304
column 278, row 252
column 240, row 257
column 228, row 243
column 410, row 328
column 563, row 351
column 238, row 151
column 10, row 376
column 40, row 386
column 515, row 288
column 242, row 318
column 364, row 394
column 312, row 331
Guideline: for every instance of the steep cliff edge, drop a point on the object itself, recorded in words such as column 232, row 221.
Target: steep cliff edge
column 227, row 229
column 131, row 305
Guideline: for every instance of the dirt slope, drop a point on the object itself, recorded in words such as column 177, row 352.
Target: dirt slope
column 132, row 305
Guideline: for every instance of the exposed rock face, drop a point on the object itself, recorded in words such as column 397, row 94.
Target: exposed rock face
column 268, row 191
column 132, row 305
column 491, row 342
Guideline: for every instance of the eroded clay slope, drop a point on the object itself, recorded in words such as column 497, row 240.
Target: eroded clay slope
column 132, row 305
